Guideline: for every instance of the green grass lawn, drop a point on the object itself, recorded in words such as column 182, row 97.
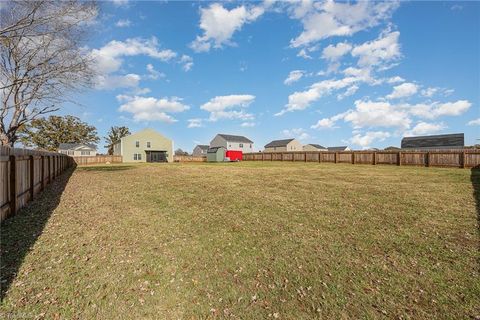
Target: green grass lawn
column 246, row 240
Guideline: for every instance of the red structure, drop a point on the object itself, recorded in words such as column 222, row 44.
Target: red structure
column 234, row 155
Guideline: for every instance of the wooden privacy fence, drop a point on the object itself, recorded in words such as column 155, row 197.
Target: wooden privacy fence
column 25, row 173
column 444, row 158
column 87, row 160
column 189, row 159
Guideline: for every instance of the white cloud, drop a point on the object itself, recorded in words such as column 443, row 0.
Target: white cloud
column 377, row 114
column 109, row 57
column 154, row 74
column 423, row 128
column 229, row 107
column 395, row 79
column 303, row 54
column 326, row 19
column 325, row 123
column 110, row 82
column 368, row 138
column 120, row 3
column 219, row 24
column 187, row 62
column 294, row 76
column 297, row 133
column 123, row 23
column 403, row 90
column 151, row 109
column 248, row 124
column 475, row 122
column 195, row 123
column 334, row 52
column 301, row 100
column 429, row 92
column 379, row 51
column 350, row 91
column 437, row 109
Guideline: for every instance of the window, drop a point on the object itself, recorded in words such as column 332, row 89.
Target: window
column 250, row 146
column 241, row 145
column 137, row 144
column 137, row 156
column 70, row 152
column 85, row 153
column 148, row 144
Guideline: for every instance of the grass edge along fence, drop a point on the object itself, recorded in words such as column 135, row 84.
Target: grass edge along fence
column 461, row 158
column 25, row 173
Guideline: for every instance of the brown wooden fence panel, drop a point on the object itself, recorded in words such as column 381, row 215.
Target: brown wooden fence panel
column 189, row 159
column 458, row 158
column 89, row 160
column 21, row 176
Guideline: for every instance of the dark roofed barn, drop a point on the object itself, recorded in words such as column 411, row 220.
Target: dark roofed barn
column 442, row 141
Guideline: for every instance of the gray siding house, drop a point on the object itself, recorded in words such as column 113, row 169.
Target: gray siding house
column 200, row 150
column 232, row 142
column 78, row 149
column 441, row 141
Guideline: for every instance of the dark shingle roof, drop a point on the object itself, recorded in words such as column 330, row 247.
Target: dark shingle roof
column 341, row 148
column 232, row 138
column 278, row 143
column 203, row 146
column 436, row 141
column 214, row 149
column 318, row 146
column 70, row 146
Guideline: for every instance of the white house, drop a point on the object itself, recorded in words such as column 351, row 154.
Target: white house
column 232, row 143
column 78, row 149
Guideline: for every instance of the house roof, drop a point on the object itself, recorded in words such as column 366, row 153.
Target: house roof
column 341, row 148
column 233, row 138
column 278, row 143
column 73, row 146
column 203, row 146
column 214, row 149
column 439, row 141
column 318, row 146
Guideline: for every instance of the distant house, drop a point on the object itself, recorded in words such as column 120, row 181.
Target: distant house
column 200, row 150
column 283, row 145
column 232, row 143
column 216, row 154
column 78, row 149
column 145, row 146
column 338, row 149
column 314, row 147
column 442, row 141
column 392, row 148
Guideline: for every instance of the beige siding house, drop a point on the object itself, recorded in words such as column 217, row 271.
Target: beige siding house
column 145, row 146
column 77, row 149
column 232, row 142
column 314, row 147
column 283, row 145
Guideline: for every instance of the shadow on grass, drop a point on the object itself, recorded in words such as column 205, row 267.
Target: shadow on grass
column 20, row 232
column 105, row 168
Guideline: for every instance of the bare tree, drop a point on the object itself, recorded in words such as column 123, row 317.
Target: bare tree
column 42, row 59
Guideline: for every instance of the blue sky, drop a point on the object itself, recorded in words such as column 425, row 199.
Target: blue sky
column 361, row 74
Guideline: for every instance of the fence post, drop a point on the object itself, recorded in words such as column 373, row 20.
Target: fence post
column 336, row 157
column 13, row 185
column 463, row 159
column 49, row 169
column 319, row 157
column 353, row 157
column 374, row 158
column 427, row 164
column 293, row 156
column 42, row 186
column 263, row 156
column 281, row 157
column 32, row 177
column 399, row 158
column 305, row 154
